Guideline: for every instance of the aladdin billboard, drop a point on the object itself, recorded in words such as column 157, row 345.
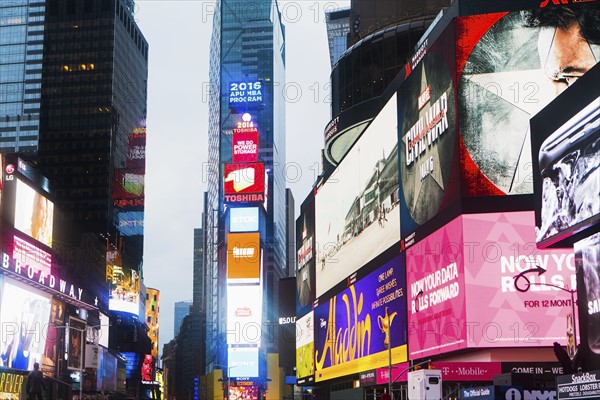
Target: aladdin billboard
column 355, row 327
column 487, row 259
column 357, row 217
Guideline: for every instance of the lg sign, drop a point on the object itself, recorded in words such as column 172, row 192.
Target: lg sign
column 244, row 182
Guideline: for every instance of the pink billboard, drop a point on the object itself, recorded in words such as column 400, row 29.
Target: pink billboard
column 480, row 281
column 436, row 289
column 451, row 371
column 498, row 248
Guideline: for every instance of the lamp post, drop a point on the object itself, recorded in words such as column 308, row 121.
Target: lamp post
column 540, row 271
column 228, row 378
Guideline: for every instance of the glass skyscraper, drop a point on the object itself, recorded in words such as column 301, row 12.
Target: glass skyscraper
column 21, row 52
column 247, row 48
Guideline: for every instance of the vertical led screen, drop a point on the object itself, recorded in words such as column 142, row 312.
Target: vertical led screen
column 244, row 314
column 54, row 338
column 427, row 134
column 587, row 255
column 356, row 209
column 75, row 343
column 244, row 182
column 565, row 146
column 510, row 66
column 244, row 145
column 24, row 316
column 243, row 362
column 34, row 214
column 487, row 259
column 305, row 346
column 305, row 263
column 124, row 289
column 355, row 327
column 243, row 257
column 437, row 311
column 243, row 219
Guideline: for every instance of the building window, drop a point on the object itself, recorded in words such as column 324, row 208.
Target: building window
column 149, row 319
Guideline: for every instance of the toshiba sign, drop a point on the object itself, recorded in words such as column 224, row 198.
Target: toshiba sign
column 244, row 182
column 243, row 257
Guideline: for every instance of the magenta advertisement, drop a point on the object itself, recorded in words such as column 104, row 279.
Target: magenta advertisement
column 500, row 252
column 436, row 293
column 451, row 371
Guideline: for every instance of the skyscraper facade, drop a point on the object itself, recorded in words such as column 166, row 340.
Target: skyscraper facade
column 181, row 310
column 338, row 28
column 246, row 170
column 21, row 50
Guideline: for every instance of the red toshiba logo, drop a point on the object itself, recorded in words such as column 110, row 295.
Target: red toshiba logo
column 244, row 178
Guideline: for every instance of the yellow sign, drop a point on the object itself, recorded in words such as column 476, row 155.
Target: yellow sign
column 11, row 382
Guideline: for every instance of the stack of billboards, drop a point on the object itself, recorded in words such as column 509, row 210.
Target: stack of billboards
column 440, row 190
column 244, row 193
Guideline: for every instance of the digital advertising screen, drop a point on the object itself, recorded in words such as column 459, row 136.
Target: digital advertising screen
column 243, row 219
column 565, row 146
column 54, row 337
column 427, row 133
column 487, row 259
column 34, row 213
column 244, row 314
column 306, row 257
column 147, row 370
column 248, row 92
column 136, row 152
column 28, row 254
column 305, row 346
column 244, row 182
column 354, row 328
column 130, row 223
column 587, row 259
column 24, row 317
column 243, row 257
column 124, row 290
column 243, row 390
column 128, row 183
column 436, row 311
column 75, row 343
column 511, row 65
column 356, row 208
column 244, row 145
column 243, row 362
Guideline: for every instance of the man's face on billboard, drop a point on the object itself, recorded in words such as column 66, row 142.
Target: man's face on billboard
column 566, row 55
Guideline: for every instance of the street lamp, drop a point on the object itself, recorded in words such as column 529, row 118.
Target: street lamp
column 228, row 378
column 528, row 284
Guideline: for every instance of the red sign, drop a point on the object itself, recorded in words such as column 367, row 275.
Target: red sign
column 451, row 371
column 242, row 179
column 245, row 145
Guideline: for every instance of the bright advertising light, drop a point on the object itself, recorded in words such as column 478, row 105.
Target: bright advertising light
column 244, row 312
column 124, row 289
column 243, row 362
column 243, row 219
column 305, row 346
column 244, row 183
column 24, row 316
column 243, row 257
column 34, row 214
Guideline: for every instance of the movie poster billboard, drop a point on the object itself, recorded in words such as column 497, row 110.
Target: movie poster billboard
column 54, row 339
column 357, row 217
column 24, row 316
column 565, row 146
column 306, row 256
column 34, row 213
column 427, row 134
column 75, row 343
column 511, row 65
column 355, row 327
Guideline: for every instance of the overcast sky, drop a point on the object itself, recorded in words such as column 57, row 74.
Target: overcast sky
column 178, row 33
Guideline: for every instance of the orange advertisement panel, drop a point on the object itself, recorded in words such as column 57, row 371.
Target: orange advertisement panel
column 243, row 256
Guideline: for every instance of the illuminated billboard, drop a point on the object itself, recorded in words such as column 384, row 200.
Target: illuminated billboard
column 243, row 257
column 246, row 390
column 427, row 134
column 74, row 343
column 243, row 362
column 244, row 183
column 130, row 223
column 356, row 208
column 565, row 139
column 128, row 183
column 136, row 152
column 306, row 256
column 305, row 346
column 147, row 370
column 511, row 65
column 369, row 315
column 486, row 259
column 245, row 92
column 28, row 254
column 34, row 213
column 244, row 145
column 124, row 289
column 244, row 314
column 243, row 219
column 24, row 317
